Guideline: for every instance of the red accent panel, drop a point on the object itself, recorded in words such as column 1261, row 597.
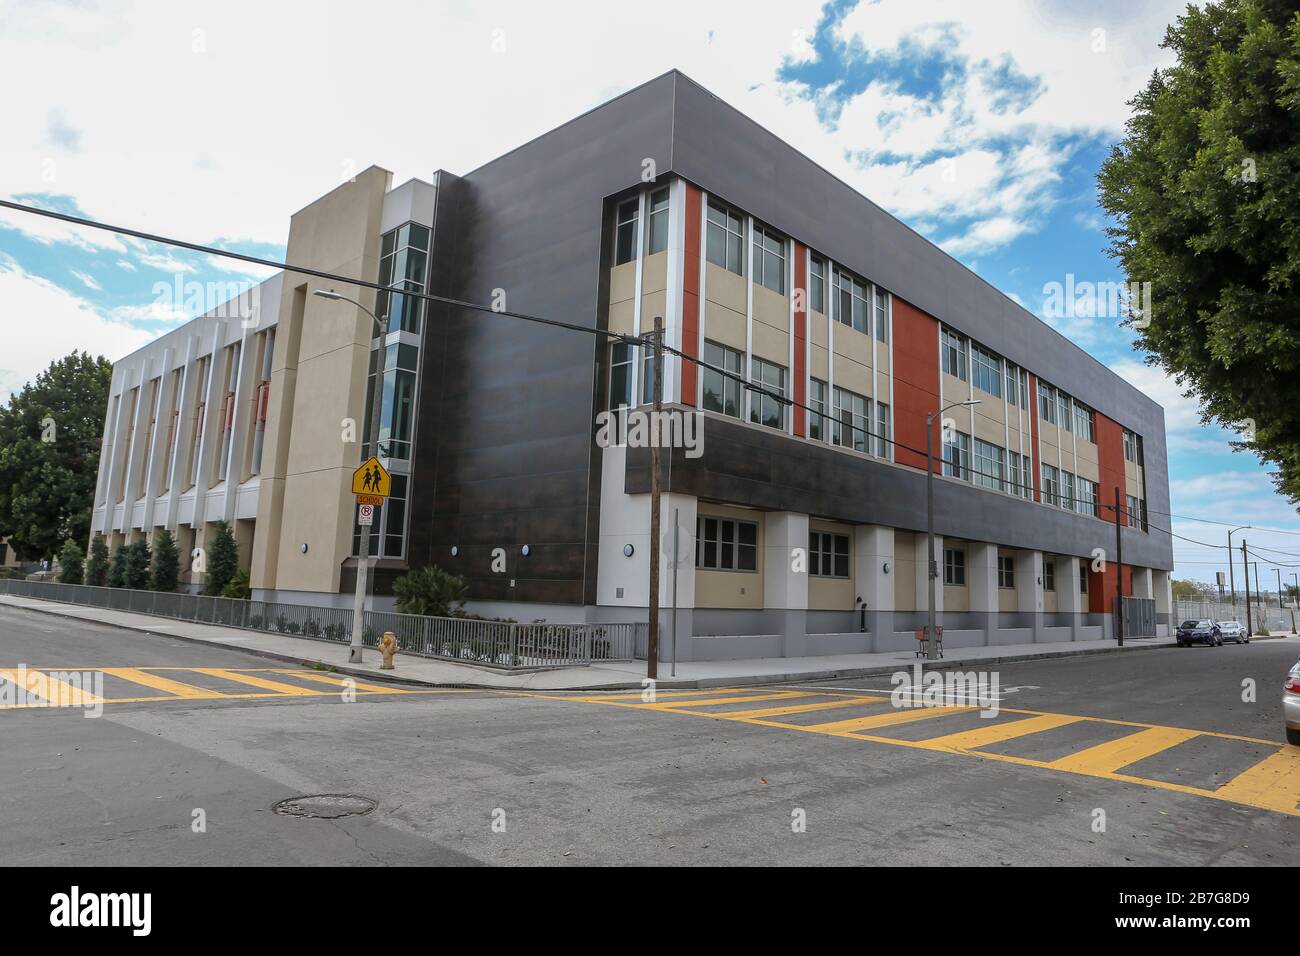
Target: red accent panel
column 1110, row 475
column 1033, row 437
column 800, row 336
column 916, row 381
column 691, row 294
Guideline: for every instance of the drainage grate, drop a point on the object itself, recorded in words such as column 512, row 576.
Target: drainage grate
column 325, row 806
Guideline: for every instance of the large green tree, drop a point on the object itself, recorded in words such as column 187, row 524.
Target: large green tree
column 1205, row 188
column 50, row 436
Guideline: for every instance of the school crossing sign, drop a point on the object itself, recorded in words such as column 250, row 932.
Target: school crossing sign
column 371, row 483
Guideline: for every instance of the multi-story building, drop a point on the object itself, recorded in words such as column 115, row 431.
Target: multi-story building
column 807, row 518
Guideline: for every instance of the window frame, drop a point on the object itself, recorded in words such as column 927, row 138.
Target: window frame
column 703, row 541
column 824, row 546
column 954, row 567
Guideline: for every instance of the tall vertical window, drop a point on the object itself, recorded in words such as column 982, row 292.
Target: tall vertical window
column 625, row 232
column 954, row 567
column 988, row 465
column 817, row 402
column 647, row 376
column 1050, row 484
column 769, row 259
column 851, row 421
column 1015, row 475
column 817, row 284
column 986, row 369
column 1132, row 447
column 1006, row 572
column 1067, row 491
column 403, row 264
column 657, row 222
column 956, row 455
column 724, row 238
column 952, row 349
column 200, row 415
column 884, row 444
column 621, row 359
column 882, row 315
column 1049, row 575
column 721, row 392
column 388, row 534
column 1046, row 403
column 765, row 409
column 1086, row 502
column 1064, row 414
column 851, row 301
column 397, row 402
column 1083, row 422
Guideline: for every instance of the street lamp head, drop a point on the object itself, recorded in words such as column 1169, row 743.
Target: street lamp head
column 971, row 401
column 326, row 294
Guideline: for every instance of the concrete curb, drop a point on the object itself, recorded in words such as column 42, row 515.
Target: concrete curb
column 670, row 683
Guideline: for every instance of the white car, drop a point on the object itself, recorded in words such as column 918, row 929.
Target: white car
column 1234, row 631
column 1291, row 706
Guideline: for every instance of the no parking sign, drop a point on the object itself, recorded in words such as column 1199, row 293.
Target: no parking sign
column 365, row 514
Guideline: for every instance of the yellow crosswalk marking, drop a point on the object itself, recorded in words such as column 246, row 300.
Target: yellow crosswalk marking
column 340, row 682
column 1109, row 757
column 709, row 702
column 903, row 715
column 1273, row 783
column 51, row 689
column 998, row 733
column 253, row 681
column 188, row 691
column 763, row 712
column 660, row 695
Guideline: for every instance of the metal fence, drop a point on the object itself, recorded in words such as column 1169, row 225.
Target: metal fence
column 505, row 644
column 1264, row 617
column 1139, row 617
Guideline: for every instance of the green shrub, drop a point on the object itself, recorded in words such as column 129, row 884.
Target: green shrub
column 430, row 591
column 117, row 568
column 222, row 559
column 97, row 564
column 165, row 572
column 237, row 587
column 71, row 569
column 136, row 571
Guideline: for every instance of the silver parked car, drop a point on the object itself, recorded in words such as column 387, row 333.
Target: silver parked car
column 1291, row 706
column 1234, row 631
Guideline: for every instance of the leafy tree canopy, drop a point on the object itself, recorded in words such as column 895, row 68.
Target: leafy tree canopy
column 1205, row 188
column 50, row 436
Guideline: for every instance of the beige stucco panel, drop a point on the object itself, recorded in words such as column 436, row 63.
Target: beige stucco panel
column 317, row 512
column 725, row 288
column 654, row 273
column 724, row 326
column 819, row 366
column 772, row 344
column 622, row 282
column 904, row 571
column 771, row 308
column 851, row 375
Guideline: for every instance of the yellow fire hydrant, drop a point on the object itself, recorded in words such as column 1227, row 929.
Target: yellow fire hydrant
column 388, row 647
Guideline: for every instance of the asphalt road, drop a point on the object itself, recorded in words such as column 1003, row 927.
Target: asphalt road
column 494, row 778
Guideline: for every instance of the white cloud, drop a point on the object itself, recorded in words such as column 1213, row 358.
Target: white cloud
column 41, row 322
column 126, row 265
column 165, row 262
column 88, row 281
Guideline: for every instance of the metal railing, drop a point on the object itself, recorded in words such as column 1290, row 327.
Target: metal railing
column 505, row 644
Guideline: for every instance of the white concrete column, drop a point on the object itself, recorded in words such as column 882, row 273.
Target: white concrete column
column 162, row 417
column 1162, row 591
column 785, row 578
column 135, row 454
column 1142, row 583
column 1029, row 590
column 1068, row 599
column 982, row 577
column 873, row 580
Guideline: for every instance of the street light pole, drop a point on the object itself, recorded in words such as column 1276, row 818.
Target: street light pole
column 931, row 635
column 357, row 642
column 1232, row 584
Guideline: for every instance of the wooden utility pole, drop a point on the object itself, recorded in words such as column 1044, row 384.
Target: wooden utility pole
column 1119, row 570
column 652, row 641
column 1245, row 563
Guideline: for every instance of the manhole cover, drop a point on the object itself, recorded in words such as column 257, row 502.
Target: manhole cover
column 326, row 806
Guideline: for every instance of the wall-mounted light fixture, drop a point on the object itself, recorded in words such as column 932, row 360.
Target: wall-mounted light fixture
column 525, row 551
column 303, row 547
column 628, row 550
column 885, row 567
column 455, row 551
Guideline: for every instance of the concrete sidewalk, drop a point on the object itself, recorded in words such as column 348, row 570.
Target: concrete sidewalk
column 614, row 675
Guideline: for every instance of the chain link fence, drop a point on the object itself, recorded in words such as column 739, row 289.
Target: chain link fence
column 504, row 644
column 1263, row 617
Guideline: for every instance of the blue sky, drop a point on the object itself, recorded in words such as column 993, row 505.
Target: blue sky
column 980, row 125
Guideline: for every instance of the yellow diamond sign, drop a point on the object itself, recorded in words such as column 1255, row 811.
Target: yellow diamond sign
column 372, row 479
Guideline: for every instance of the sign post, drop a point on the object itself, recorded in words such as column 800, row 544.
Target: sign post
column 371, row 483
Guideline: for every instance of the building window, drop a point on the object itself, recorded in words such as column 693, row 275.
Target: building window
column 986, row 369
column 725, row 238
column 1083, row 576
column 851, row 421
column 1006, row 572
column 647, row 376
column 1087, row 499
column 625, row 231
column 621, row 358
column 1050, row 484
column 956, row 455
column 766, row 409
column 817, row 284
column 721, row 392
column 1083, row 422
column 1047, row 403
column 852, row 301
column 988, row 465
column 828, row 554
column 403, row 262
column 1136, row 517
column 722, row 544
column 884, row 434
column 657, row 222
column 1132, row 447
column 817, row 402
column 1067, row 491
column 1064, row 416
column 882, row 316
column 397, row 404
column 388, row 534
column 952, row 347
column 1049, row 575
column 1020, row 476
column 769, row 259
column 1017, row 385
column 954, row 567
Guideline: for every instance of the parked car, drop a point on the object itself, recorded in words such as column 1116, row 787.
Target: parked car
column 1291, row 705
column 1234, row 631
column 1199, row 632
